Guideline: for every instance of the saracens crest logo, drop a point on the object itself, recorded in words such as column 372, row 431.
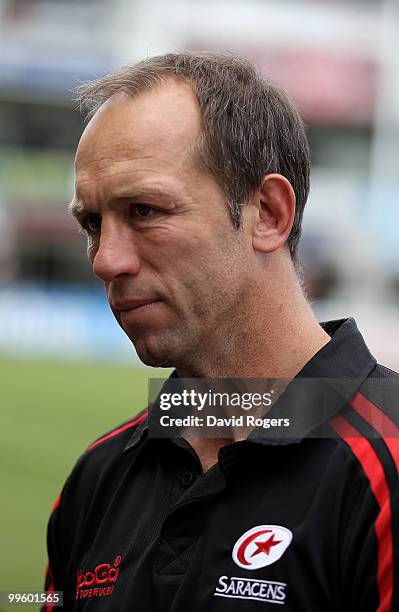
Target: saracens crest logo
column 261, row 546
column 256, row 548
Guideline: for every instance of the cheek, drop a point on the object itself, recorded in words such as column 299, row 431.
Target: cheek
column 174, row 249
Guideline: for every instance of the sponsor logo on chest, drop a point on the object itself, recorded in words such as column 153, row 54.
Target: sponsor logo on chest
column 98, row 582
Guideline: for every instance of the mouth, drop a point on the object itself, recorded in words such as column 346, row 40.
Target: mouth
column 133, row 305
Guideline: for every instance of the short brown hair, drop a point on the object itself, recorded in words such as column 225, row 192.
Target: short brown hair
column 250, row 127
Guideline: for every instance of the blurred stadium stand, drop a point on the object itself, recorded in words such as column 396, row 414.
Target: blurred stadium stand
column 338, row 60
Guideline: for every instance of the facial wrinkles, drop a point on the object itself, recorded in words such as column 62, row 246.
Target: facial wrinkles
column 190, row 263
column 110, row 165
column 164, row 125
column 124, row 178
column 148, row 133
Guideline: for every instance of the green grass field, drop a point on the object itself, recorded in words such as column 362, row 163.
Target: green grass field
column 49, row 414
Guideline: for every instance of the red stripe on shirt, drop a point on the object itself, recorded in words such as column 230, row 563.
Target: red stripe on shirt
column 380, row 422
column 374, row 471
column 49, row 589
column 56, row 504
column 119, row 430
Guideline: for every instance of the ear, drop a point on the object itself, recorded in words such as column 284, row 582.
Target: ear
column 274, row 212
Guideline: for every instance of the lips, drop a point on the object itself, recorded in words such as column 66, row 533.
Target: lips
column 125, row 305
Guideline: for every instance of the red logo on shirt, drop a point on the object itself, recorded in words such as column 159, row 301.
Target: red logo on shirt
column 98, row 582
column 261, row 546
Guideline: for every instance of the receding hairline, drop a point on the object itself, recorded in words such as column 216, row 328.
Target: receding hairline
column 184, row 92
column 250, row 127
column 191, row 152
column 94, row 94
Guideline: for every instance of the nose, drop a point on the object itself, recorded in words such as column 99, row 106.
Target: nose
column 116, row 253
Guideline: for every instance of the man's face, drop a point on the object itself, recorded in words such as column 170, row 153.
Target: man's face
column 160, row 236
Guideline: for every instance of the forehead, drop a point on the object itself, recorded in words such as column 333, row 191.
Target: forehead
column 158, row 125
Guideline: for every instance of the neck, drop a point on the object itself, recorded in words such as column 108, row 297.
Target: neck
column 270, row 338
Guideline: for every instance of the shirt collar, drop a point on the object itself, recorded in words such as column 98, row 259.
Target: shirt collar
column 342, row 365
column 140, row 434
column 345, row 356
column 345, row 362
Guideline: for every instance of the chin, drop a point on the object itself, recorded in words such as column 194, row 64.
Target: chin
column 156, row 354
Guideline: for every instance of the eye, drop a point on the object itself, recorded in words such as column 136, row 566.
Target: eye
column 91, row 224
column 143, row 211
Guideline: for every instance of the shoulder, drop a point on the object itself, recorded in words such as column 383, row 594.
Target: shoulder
column 369, row 428
column 374, row 408
column 103, row 451
column 368, row 432
column 116, row 439
column 84, row 496
column 101, row 457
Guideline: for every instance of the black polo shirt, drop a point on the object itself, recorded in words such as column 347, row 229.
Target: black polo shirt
column 307, row 524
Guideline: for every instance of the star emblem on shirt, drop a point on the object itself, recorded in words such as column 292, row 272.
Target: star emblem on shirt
column 265, row 546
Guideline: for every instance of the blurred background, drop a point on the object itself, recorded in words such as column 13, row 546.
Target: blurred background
column 67, row 373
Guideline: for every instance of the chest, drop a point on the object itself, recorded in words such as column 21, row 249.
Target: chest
column 171, row 539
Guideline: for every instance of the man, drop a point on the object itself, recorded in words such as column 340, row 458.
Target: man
column 191, row 180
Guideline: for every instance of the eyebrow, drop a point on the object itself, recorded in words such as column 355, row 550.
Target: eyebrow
column 77, row 206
